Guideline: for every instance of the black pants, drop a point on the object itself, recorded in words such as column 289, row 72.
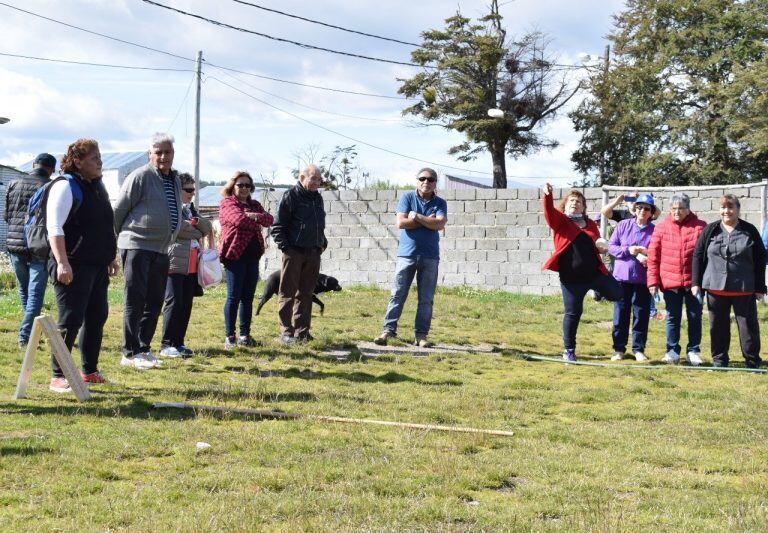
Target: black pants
column 83, row 309
column 179, row 291
column 745, row 310
column 145, row 275
column 573, row 302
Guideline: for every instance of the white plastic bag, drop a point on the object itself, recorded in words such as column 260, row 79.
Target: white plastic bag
column 208, row 268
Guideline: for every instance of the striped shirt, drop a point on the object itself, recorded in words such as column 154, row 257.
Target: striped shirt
column 170, row 197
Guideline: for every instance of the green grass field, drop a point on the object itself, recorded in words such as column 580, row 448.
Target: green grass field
column 594, row 449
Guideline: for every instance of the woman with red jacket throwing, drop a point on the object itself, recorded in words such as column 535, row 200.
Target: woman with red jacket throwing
column 242, row 245
column 670, row 268
column 577, row 260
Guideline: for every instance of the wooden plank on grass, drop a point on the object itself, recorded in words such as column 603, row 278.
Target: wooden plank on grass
column 29, row 360
column 261, row 413
column 64, row 358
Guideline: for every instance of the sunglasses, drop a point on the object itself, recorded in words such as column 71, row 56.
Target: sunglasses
column 643, row 207
column 241, row 185
column 190, row 191
column 427, row 178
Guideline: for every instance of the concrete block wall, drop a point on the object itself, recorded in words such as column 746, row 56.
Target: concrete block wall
column 495, row 238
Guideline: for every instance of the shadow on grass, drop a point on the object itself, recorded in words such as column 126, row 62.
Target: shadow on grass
column 24, row 450
column 235, row 395
column 137, row 408
column 363, row 377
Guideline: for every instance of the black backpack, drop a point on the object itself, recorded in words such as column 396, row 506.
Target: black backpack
column 35, row 232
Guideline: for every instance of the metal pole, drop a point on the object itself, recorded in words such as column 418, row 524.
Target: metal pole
column 197, row 130
column 604, row 219
column 763, row 204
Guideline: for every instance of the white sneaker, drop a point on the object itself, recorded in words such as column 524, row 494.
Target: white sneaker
column 694, row 358
column 617, row 356
column 640, row 356
column 671, row 357
column 149, row 356
column 137, row 361
column 169, row 351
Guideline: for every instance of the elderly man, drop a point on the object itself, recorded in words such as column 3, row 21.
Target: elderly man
column 146, row 221
column 31, row 275
column 421, row 214
column 299, row 232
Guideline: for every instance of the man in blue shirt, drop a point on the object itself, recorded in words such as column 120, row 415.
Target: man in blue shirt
column 421, row 214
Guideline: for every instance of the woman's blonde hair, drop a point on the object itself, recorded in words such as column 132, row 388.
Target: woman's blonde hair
column 229, row 188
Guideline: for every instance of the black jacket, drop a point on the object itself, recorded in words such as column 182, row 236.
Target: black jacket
column 300, row 220
column 732, row 274
column 16, row 205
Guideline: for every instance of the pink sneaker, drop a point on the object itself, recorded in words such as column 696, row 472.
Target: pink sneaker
column 60, row 385
column 94, row 377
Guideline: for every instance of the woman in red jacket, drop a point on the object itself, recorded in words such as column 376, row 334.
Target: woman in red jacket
column 670, row 268
column 242, row 245
column 577, row 261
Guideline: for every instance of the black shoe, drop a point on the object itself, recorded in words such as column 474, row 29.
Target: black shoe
column 185, row 352
column 306, row 337
column 719, row 364
column 246, row 340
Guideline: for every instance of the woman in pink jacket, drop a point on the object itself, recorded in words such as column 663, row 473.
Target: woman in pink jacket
column 241, row 247
column 670, row 269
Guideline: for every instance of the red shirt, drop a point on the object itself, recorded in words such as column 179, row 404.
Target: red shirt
column 237, row 229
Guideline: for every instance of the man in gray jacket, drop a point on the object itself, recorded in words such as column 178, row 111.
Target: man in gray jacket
column 146, row 220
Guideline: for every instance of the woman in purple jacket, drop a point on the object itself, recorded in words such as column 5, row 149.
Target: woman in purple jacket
column 629, row 246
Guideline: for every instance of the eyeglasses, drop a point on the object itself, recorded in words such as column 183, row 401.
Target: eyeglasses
column 190, row 191
column 643, row 207
column 241, row 185
column 427, row 178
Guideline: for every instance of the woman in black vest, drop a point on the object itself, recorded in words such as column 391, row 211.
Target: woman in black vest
column 80, row 226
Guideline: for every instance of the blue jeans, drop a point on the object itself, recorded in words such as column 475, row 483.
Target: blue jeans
column 31, row 277
column 637, row 302
column 425, row 270
column 693, row 308
column 242, row 276
column 573, row 303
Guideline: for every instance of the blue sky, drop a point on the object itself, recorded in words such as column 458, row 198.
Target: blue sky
column 51, row 104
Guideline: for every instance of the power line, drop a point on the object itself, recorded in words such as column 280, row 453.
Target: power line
column 324, row 23
column 310, row 107
column 107, row 65
column 279, row 80
column 315, row 124
column 183, row 101
column 279, row 39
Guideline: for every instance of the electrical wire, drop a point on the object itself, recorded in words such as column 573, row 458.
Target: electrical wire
column 183, row 101
column 85, row 63
column 324, row 23
column 310, row 107
column 329, row 130
column 123, row 41
column 281, row 39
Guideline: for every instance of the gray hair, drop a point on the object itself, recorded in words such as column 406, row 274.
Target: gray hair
column 680, row 198
column 160, row 138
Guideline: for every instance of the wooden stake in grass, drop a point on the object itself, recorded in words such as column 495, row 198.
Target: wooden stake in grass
column 277, row 415
column 44, row 324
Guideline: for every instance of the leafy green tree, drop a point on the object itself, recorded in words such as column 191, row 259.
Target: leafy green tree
column 678, row 105
column 471, row 67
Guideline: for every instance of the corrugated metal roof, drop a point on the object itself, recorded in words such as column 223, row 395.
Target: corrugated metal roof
column 109, row 160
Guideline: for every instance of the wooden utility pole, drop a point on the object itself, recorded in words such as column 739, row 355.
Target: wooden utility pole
column 197, row 130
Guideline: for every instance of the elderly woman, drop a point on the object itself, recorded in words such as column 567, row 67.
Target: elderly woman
column 629, row 246
column 242, row 245
column 670, row 269
column 182, row 274
column 577, row 261
column 729, row 263
column 83, row 256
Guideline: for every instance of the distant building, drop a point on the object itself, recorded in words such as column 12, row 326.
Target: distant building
column 453, row 181
column 114, row 165
column 7, row 175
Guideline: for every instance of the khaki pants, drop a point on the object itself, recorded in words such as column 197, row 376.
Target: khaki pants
column 298, row 277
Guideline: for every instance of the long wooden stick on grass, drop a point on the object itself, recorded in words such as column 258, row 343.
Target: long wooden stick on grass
column 278, row 415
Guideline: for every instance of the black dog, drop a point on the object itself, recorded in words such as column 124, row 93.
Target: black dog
column 324, row 284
